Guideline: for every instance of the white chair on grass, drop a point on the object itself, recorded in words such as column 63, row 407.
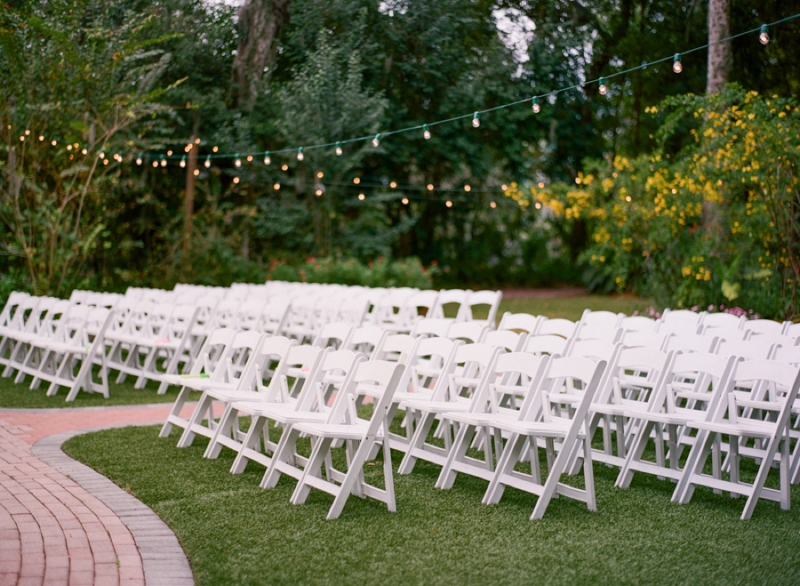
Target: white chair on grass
column 480, row 299
column 557, row 327
column 523, row 322
column 767, row 425
column 377, row 380
column 555, row 417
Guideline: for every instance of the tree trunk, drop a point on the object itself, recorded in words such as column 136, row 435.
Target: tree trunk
column 720, row 57
column 260, row 22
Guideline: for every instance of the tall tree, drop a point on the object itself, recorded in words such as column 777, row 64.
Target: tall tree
column 260, row 23
column 720, row 57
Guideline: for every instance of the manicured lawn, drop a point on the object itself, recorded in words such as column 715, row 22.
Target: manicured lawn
column 20, row 396
column 235, row 533
column 572, row 307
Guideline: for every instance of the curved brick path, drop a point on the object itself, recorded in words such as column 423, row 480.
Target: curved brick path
column 61, row 522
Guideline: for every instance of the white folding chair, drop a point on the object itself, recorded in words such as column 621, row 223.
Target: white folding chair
column 555, row 417
column 476, row 299
column 766, row 424
column 523, row 322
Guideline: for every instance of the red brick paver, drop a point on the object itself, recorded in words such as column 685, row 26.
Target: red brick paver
column 55, row 531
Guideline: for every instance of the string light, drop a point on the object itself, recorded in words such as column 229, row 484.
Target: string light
column 22, row 138
column 448, row 203
column 476, row 119
column 430, row 186
column 155, row 164
column 764, row 34
column 319, row 192
column 426, row 133
column 105, row 161
column 300, row 155
column 361, row 196
column 196, row 141
column 27, row 132
column 535, row 106
column 677, row 66
column 405, row 201
column 236, row 181
column 207, row 164
column 249, row 158
column 603, row 89
column 277, row 187
column 339, row 149
column 139, row 160
column 214, row 149
column 196, row 172
column 101, row 155
column 267, row 159
column 54, row 142
column 538, row 206
column 376, row 141
column 320, row 174
column 504, row 187
column 41, row 138
column 69, row 147
column 393, row 184
column 183, row 162
column 467, row 188
column 492, row 205
column 238, row 161
column 163, row 162
column 84, row 151
column 169, row 153
column 356, row 180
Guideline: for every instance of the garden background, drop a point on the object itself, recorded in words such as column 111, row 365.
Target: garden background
column 658, row 188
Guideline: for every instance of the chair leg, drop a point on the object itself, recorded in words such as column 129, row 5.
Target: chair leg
column 183, row 395
column 203, row 405
column 761, row 477
column 250, row 442
column 417, row 443
column 285, row 451
column 505, row 464
column 462, row 442
column 314, row 468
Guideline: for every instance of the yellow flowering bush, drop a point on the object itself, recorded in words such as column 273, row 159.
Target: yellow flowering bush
column 712, row 216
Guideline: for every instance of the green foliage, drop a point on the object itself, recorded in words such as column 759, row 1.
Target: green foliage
column 714, row 221
column 382, row 272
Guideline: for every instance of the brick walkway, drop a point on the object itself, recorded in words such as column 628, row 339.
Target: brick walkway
column 61, row 522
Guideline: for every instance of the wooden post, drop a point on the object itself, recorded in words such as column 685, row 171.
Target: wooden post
column 188, row 210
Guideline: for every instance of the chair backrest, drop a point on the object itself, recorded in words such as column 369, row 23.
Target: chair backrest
column 430, row 364
column 596, row 332
column 330, row 375
column 723, row 320
column 764, row 326
column 638, row 323
column 557, row 327
column 431, row 327
column 300, row 363
column 274, row 315
column 693, row 381
column 683, row 317
column 641, row 339
column 744, row 349
column 770, row 339
column 11, row 306
column 691, row 343
column 593, row 349
column 792, row 330
column 449, row 297
column 509, row 340
column 604, row 319
column 787, row 354
column 235, row 366
column 469, row 331
column 512, row 375
column 333, row 334
column 213, row 349
column 523, row 322
column 633, row 374
column 471, row 363
column 725, row 333
column 476, row 299
column 565, row 379
column 365, row 339
column 545, row 344
column 395, row 348
column 423, row 300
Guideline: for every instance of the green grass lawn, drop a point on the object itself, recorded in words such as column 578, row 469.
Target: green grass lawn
column 234, row 533
column 572, row 307
column 20, row 396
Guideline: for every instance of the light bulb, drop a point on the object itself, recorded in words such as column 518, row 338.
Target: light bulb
column 320, row 174
column 677, row 66
column 54, row 142
column 393, row 184
column 69, row 147
column 405, row 201
column 207, row 164
column 476, row 119
column 196, row 172
column 356, row 180
column 84, row 151
column 169, row 153
column 603, row 89
column 215, row 149
column 196, row 141
column 267, row 158
column 300, row 155
column 319, row 192
column 105, row 161
column 535, row 106
column 448, row 203
column 339, row 149
column 361, row 196
column 492, row 205
column 284, row 167
column 238, row 161
column 426, row 133
column 467, row 188
column 22, row 138
column 183, row 162
column 277, row 187
column 236, row 180
column 163, row 162
column 155, row 164
column 430, row 186
column 376, row 141
column 41, row 138
column 138, row 160
column 504, row 187
column 249, row 158
column 27, row 133
column 101, row 155
column 764, row 36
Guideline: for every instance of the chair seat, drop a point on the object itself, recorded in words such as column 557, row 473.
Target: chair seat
column 681, row 417
column 623, row 409
column 436, row 406
column 336, row 430
column 749, row 427
column 556, row 428
column 281, row 412
column 483, row 419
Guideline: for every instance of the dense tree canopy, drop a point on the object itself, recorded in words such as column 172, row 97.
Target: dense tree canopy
column 282, row 73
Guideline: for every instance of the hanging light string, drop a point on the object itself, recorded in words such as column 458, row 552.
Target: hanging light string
column 159, row 159
column 475, row 116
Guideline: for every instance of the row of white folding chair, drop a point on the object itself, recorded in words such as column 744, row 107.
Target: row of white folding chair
column 399, row 311
column 59, row 344
column 274, row 401
column 93, row 298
